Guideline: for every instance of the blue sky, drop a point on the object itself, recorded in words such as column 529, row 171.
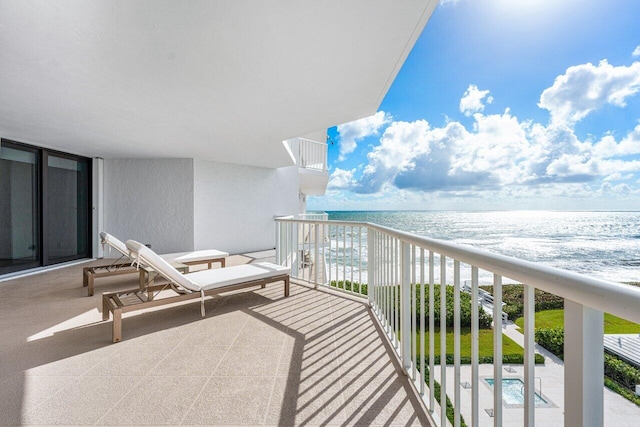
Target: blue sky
column 502, row 104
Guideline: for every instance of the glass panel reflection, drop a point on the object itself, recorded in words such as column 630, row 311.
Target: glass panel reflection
column 19, row 222
column 67, row 208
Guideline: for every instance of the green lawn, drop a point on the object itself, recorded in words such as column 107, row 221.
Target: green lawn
column 485, row 340
column 555, row 318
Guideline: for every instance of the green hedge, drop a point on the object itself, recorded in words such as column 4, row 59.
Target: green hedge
column 436, row 393
column 621, row 372
column 348, row 286
column 484, row 319
column 617, row 388
column 513, row 296
column 393, row 293
column 619, row 375
column 552, row 339
column 510, row 359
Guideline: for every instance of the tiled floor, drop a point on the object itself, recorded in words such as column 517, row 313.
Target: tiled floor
column 257, row 358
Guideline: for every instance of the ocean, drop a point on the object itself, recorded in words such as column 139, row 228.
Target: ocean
column 605, row 245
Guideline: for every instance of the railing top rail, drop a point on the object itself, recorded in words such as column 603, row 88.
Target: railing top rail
column 311, row 141
column 611, row 297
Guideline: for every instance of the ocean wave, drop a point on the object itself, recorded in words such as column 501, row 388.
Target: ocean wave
column 601, row 244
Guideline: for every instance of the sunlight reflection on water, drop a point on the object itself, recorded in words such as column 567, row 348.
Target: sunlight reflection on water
column 601, row 244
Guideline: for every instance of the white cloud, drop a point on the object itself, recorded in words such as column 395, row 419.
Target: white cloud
column 496, row 152
column 341, row 179
column 585, row 88
column 445, row 2
column 629, row 145
column 617, row 176
column 499, row 159
column 636, row 51
column 471, row 101
column 351, row 133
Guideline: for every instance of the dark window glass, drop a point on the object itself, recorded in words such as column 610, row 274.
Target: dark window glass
column 45, row 210
column 67, row 208
column 19, row 213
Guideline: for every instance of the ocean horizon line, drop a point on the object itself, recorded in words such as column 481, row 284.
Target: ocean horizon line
column 476, row 210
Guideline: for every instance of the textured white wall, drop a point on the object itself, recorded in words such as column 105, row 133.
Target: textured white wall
column 150, row 200
column 234, row 205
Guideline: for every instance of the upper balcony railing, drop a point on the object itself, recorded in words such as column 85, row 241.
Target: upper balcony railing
column 314, row 216
column 309, row 154
column 393, row 269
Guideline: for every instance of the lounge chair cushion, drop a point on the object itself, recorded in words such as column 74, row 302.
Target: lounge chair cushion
column 206, row 279
column 195, row 256
column 143, row 254
column 183, row 257
column 221, row 277
column 117, row 244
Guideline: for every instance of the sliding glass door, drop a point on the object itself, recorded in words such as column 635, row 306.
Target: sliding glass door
column 45, row 211
column 66, row 208
column 19, row 207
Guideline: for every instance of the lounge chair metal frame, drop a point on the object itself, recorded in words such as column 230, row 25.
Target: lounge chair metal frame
column 121, row 302
column 116, row 268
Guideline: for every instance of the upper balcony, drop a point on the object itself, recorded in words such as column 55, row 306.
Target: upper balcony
column 311, row 158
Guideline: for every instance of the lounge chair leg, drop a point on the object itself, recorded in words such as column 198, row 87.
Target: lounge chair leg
column 84, row 277
column 105, row 307
column 90, row 285
column 142, row 282
column 117, row 325
column 286, row 287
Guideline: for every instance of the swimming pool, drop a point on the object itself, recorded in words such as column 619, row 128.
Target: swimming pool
column 513, row 392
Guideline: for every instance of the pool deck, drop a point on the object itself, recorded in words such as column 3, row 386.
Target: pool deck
column 617, row 410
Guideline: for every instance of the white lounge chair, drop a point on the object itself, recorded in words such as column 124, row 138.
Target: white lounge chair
column 120, row 266
column 186, row 286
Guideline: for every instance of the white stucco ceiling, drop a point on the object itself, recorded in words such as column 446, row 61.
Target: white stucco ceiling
column 216, row 80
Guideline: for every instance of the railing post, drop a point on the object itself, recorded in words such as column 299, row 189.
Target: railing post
column 456, row 343
column 301, row 155
column 405, row 311
column 423, row 344
column 371, row 267
column 278, row 244
column 497, row 350
column 475, row 344
column 443, row 340
column 583, row 365
column 316, row 260
column 529, row 356
column 432, row 333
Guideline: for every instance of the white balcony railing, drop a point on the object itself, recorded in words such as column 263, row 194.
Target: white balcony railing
column 309, row 154
column 382, row 264
column 314, row 216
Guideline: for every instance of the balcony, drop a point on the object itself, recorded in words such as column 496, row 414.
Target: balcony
column 318, row 357
column 311, row 158
column 390, row 269
column 257, row 358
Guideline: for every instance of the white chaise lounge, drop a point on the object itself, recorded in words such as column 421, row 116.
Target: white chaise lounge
column 186, row 286
column 89, row 274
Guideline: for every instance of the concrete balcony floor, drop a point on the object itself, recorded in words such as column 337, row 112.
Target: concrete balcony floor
column 255, row 359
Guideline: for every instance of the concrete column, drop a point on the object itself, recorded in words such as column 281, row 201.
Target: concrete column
column 97, row 205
